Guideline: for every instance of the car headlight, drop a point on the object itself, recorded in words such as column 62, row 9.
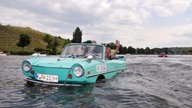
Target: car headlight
column 27, row 66
column 78, row 71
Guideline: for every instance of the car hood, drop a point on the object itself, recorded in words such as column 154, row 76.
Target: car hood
column 55, row 62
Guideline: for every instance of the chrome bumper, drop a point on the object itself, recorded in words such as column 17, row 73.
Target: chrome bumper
column 51, row 84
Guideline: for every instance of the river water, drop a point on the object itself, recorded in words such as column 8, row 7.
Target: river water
column 148, row 82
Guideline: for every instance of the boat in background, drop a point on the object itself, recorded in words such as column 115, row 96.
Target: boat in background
column 162, row 55
column 38, row 55
column 2, row 53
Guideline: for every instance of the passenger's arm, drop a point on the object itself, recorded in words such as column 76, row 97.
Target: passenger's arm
column 116, row 50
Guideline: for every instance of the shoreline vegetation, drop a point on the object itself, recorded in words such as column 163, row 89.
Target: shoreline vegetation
column 11, row 43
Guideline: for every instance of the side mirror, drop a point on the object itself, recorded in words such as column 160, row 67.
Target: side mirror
column 89, row 58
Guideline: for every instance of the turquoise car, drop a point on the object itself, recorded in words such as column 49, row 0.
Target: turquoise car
column 78, row 64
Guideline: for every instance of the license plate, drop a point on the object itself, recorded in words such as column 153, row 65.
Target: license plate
column 47, row 78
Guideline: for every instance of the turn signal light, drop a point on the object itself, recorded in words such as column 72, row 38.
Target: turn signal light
column 69, row 76
column 88, row 72
column 32, row 72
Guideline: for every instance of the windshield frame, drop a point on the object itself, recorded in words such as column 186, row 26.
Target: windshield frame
column 74, row 46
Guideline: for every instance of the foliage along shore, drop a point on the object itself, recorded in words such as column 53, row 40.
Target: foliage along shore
column 9, row 37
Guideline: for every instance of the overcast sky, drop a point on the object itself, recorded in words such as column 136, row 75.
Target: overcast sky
column 136, row 23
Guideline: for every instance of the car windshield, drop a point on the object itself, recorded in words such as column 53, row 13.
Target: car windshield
column 82, row 51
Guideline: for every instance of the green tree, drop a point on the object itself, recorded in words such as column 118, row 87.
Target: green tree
column 165, row 50
column 24, row 41
column 156, row 50
column 140, row 51
column 147, row 50
column 49, row 40
column 111, row 45
column 131, row 50
column 190, row 51
column 125, row 50
column 65, row 42
column 88, row 41
column 54, row 45
column 77, row 36
column 38, row 50
column 121, row 49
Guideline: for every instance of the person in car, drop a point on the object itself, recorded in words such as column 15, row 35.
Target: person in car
column 108, row 53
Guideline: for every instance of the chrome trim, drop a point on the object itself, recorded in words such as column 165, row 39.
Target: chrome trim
column 105, row 72
column 48, row 83
column 50, row 67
